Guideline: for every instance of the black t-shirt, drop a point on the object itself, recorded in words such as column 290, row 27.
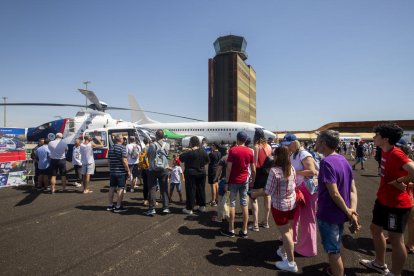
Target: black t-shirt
column 214, row 160
column 195, row 161
column 360, row 151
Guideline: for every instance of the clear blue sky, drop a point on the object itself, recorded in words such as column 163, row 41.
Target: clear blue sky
column 316, row 61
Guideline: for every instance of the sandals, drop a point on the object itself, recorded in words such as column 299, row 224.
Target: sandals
column 264, row 225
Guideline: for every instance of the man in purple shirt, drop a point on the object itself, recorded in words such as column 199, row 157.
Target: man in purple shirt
column 337, row 199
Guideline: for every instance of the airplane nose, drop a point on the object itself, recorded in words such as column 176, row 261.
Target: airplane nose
column 269, row 134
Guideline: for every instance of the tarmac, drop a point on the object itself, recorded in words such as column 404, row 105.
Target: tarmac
column 72, row 234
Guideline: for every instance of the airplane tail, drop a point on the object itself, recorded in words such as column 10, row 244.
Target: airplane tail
column 137, row 114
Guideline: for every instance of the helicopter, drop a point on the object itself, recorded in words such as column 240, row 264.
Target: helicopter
column 91, row 120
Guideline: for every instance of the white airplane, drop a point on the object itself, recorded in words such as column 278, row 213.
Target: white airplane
column 214, row 132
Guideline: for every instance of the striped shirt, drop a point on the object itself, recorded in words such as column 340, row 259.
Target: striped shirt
column 115, row 156
column 281, row 190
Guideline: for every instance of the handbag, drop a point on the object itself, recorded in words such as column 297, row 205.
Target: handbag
column 311, row 183
column 268, row 162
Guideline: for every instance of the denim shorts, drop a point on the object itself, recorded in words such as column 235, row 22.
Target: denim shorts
column 240, row 189
column 331, row 235
column 172, row 185
column 117, row 181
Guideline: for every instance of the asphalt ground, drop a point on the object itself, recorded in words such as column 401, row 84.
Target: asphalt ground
column 73, row 234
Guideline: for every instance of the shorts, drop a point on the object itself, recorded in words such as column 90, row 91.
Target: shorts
column 241, row 189
column 133, row 168
column 360, row 160
column 178, row 185
column 88, row 169
column 212, row 177
column 117, row 181
column 261, row 178
column 58, row 166
column 282, row 217
column 44, row 171
column 331, row 236
column 391, row 219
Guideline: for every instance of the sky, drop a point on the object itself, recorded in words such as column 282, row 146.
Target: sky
column 316, row 62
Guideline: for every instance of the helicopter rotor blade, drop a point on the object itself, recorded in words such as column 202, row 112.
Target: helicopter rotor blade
column 93, row 98
column 40, row 104
column 154, row 112
column 112, row 108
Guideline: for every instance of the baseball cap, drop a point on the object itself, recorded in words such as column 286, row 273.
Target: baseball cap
column 401, row 142
column 241, row 136
column 289, row 138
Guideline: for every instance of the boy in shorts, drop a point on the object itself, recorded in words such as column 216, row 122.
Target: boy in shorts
column 393, row 204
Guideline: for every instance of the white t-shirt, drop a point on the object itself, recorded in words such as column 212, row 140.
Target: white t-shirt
column 57, row 149
column 297, row 164
column 129, row 149
column 175, row 174
column 86, row 151
column 76, row 156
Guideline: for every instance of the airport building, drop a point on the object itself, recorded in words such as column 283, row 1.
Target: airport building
column 231, row 82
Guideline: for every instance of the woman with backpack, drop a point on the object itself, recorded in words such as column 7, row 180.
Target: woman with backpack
column 261, row 151
column 305, row 217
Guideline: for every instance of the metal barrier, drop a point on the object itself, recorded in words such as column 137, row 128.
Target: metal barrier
column 30, row 171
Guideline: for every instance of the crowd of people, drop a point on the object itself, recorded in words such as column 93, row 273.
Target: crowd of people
column 308, row 189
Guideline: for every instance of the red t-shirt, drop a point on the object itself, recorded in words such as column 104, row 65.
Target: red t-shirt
column 391, row 169
column 240, row 157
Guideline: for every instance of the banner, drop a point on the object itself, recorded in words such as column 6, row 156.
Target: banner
column 12, row 157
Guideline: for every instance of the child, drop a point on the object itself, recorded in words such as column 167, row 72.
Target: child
column 176, row 176
column 223, row 195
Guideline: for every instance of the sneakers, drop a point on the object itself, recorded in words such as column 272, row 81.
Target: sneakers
column 227, row 233
column 372, row 265
column 243, row 235
column 120, row 209
column 188, row 212
column 110, row 208
column 280, row 254
column 264, row 225
column 287, row 266
column 150, row 212
column 254, row 228
column 202, row 209
column 166, row 211
column 77, row 184
column 131, row 190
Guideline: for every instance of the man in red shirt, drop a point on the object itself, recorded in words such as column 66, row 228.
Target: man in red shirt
column 239, row 172
column 393, row 204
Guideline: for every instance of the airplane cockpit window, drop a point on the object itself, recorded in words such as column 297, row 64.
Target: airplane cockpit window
column 80, row 113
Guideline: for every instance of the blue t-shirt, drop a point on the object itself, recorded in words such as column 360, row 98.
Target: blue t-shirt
column 43, row 157
column 334, row 169
column 115, row 155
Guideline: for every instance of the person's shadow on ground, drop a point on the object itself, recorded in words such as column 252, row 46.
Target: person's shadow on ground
column 244, row 252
